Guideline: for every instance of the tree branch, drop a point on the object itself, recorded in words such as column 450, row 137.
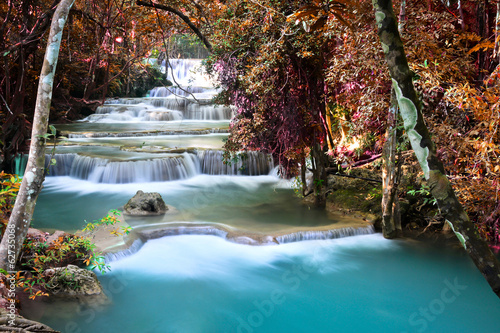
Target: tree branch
column 182, row 16
column 41, row 26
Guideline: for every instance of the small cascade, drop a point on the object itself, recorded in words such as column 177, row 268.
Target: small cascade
column 175, row 167
column 326, row 234
column 100, row 170
column 62, row 166
column 136, row 246
column 161, row 109
column 255, row 240
column 208, row 112
column 141, row 134
column 251, row 163
column 189, row 98
column 186, row 73
column 19, row 164
column 182, row 230
column 176, row 91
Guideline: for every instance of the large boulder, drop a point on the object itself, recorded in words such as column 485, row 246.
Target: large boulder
column 146, row 204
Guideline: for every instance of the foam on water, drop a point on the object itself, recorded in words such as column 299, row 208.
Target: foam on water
column 78, row 186
column 209, row 257
column 195, row 283
column 355, row 284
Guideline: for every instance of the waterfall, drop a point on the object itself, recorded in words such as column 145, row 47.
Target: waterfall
column 189, row 98
column 100, row 170
column 326, row 234
column 184, row 92
column 112, row 256
column 151, row 234
column 161, row 109
column 250, row 163
column 141, row 134
column 186, row 72
column 19, row 164
column 175, row 167
column 177, row 231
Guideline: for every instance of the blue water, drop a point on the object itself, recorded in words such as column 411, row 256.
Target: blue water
column 257, row 202
column 355, row 284
column 205, row 284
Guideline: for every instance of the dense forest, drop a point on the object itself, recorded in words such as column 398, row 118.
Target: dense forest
column 308, row 79
column 311, row 74
column 407, row 91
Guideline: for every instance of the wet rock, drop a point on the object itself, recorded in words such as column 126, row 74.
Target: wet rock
column 35, row 233
column 146, row 204
column 73, row 282
column 252, row 239
column 55, row 236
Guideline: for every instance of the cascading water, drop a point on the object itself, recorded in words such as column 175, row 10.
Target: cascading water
column 201, row 278
column 189, row 98
column 174, row 167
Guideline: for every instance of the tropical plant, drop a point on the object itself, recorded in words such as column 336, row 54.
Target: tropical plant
column 9, row 187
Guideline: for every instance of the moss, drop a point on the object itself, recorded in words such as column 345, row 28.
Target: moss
column 359, row 200
column 352, row 196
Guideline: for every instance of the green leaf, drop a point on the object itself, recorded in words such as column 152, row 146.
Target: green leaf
column 53, row 130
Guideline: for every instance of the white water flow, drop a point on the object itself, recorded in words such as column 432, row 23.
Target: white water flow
column 191, row 270
column 189, row 98
column 181, row 136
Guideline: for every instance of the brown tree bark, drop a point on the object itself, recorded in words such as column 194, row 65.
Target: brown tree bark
column 20, row 219
column 425, row 150
column 318, row 163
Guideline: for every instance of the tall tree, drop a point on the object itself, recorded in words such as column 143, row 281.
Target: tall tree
column 391, row 217
column 31, row 185
column 424, row 148
column 272, row 71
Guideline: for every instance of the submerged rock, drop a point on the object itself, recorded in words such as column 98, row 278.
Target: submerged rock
column 150, row 203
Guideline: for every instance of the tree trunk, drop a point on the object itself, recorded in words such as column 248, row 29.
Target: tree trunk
column 402, row 15
column 496, row 51
column 318, row 161
column 391, row 221
column 461, row 13
column 31, row 185
column 424, row 148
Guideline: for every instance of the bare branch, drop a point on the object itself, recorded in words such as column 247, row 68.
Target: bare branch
column 186, row 19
